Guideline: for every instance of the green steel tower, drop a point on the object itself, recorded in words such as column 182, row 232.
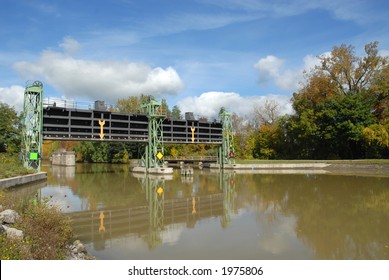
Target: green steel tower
column 154, row 150
column 32, row 126
column 226, row 151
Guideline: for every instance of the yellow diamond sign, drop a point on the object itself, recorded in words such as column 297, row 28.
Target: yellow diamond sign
column 160, row 190
column 159, row 155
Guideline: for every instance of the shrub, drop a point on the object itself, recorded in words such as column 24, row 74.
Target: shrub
column 46, row 231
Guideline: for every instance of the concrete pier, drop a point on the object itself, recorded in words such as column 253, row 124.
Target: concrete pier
column 186, row 171
column 159, row 170
column 63, row 158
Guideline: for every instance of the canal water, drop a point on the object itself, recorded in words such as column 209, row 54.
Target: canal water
column 218, row 215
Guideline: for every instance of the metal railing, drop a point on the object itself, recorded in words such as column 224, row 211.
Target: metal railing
column 191, row 158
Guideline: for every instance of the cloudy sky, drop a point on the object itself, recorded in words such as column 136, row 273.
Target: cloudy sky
column 198, row 54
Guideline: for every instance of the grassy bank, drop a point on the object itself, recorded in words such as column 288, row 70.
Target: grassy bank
column 356, row 162
column 46, row 231
column 10, row 166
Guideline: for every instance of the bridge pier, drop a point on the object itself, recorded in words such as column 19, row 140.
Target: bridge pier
column 63, row 158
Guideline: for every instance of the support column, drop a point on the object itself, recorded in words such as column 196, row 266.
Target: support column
column 32, row 126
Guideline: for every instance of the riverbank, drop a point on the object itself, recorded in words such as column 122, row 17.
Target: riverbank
column 371, row 162
column 304, row 165
column 36, row 231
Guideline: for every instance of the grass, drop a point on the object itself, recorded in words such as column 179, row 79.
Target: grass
column 10, row 166
column 46, row 231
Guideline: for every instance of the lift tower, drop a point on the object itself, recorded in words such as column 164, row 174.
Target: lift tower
column 32, row 126
column 153, row 159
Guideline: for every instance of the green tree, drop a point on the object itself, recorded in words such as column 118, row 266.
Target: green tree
column 176, row 113
column 341, row 122
column 132, row 104
column 10, row 129
column 339, row 100
column 165, row 108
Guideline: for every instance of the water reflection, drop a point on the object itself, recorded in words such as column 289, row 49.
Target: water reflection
column 159, row 218
column 121, row 215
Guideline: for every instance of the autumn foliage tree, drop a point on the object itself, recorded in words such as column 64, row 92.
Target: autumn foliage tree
column 341, row 111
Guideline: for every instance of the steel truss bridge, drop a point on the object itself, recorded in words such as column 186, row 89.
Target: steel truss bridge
column 151, row 127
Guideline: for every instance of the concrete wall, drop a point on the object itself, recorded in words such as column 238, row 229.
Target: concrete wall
column 21, row 180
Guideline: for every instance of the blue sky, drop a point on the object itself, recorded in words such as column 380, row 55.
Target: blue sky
column 200, row 54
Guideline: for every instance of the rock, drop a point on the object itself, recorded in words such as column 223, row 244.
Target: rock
column 78, row 247
column 2, row 229
column 13, row 233
column 1, row 208
column 77, row 251
column 9, row 216
column 81, row 256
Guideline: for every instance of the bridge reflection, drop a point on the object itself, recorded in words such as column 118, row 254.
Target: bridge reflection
column 155, row 219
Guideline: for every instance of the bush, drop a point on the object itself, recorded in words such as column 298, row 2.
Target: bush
column 46, row 231
column 11, row 166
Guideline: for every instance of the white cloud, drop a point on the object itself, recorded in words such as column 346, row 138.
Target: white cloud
column 311, row 61
column 208, row 104
column 271, row 69
column 69, row 45
column 268, row 68
column 99, row 80
column 13, row 96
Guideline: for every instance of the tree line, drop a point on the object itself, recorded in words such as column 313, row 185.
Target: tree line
column 341, row 111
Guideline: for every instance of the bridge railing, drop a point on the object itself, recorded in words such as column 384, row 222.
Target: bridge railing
column 72, row 104
column 191, row 158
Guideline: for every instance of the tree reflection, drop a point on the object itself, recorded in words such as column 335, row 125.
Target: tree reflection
column 339, row 217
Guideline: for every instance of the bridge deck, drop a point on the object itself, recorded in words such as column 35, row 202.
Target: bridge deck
column 75, row 124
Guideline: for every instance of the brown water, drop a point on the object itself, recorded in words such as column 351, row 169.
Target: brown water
column 211, row 215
